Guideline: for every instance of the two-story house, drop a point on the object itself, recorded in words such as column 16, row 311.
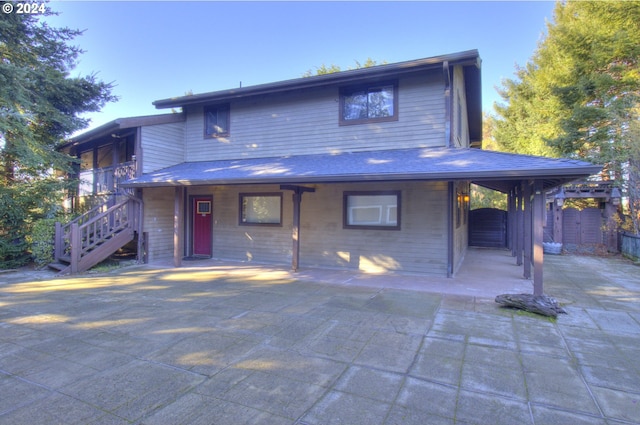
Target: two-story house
column 367, row 169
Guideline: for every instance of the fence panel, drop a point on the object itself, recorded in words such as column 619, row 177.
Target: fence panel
column 631, row 246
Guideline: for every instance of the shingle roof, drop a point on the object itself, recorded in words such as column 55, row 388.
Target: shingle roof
column 388, row 165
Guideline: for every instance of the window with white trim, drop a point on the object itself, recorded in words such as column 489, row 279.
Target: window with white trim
column 372, row 210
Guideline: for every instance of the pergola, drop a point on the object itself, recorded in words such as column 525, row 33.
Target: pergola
column 526, row 203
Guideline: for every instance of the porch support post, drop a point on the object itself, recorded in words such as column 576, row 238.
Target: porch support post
column 538, row 235
column 115, row 155
column 512, row 228
column 527, row 229
column 557, row 222
column 295, row 233
column 451, row 210
column 519, row 225
column 178, row 226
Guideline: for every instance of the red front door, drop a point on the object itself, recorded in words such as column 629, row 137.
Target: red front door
column 202, row 210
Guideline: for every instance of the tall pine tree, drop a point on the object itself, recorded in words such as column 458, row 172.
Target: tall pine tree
column 40, row 105
column 579, row 94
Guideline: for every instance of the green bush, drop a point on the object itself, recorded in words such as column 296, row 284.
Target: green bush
column 42, row 245
column 12, row 231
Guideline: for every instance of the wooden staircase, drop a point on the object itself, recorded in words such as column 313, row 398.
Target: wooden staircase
column 95, row 235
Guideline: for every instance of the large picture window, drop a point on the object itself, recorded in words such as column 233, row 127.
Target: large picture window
column 261, row 209
column 216, row 121
column 369, row 104
column 373, row 210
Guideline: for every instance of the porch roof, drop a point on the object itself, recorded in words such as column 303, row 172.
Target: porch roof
column 496, row 170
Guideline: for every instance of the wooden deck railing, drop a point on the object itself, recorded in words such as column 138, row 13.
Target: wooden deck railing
column 106, row 179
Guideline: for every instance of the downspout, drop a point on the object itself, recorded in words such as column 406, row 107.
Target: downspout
column 447, row 104
column 137, row 152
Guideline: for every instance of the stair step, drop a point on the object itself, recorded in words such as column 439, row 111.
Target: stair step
column 64, row 259
column 57, row 266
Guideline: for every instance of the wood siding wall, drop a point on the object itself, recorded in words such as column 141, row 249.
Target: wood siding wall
column 459, row 114
column 461, row 232
column 162, row 146
column 158, row 222
column 420, row 246
column 307, row 123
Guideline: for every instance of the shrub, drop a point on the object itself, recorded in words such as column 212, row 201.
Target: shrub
column 42, row 245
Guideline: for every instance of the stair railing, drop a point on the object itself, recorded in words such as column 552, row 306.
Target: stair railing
column 63, row 231
column 84, row 234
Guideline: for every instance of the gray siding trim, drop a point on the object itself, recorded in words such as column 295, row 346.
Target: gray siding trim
column 158, row 222
column 306, row 122
column 460, row 121
column 162, row 146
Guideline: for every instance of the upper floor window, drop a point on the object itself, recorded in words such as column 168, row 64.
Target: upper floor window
column 216, row 121
column 371, row 103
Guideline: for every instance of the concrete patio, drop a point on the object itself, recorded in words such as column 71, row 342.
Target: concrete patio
column 222, row 343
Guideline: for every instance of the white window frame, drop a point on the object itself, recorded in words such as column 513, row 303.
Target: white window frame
column 384, row 210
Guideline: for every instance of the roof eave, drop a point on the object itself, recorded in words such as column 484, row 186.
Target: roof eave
column 121, row 124
column 567, row 175
column 469, row 57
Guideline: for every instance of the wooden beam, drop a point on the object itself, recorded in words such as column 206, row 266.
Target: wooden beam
column 528, row 216
column 519, row 225
column 511, row 229
column 295, row 232
column 178, row 226
column 451, row 210
column 557, row 223
column 538, row 235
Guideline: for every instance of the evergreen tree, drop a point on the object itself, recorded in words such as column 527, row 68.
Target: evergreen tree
column 324, row 69
column 578, row 95
column 40, row 105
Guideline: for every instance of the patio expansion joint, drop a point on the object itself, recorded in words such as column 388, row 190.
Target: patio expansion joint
column 50, row 392
column 574, row 362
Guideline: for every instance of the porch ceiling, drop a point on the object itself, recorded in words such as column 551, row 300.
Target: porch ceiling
column 496, row 170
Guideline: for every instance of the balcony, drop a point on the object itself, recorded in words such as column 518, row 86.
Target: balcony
column 105, row 180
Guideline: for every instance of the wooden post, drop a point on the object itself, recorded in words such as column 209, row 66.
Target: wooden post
column 178, row 226
column 58, row 242
column 557, row 222
column 527, row 230
column 295, row 256
column 76, row 247
column 295, row 233
column 142, row 244
column 538, row 235
column 511, row 212
column 519, row 225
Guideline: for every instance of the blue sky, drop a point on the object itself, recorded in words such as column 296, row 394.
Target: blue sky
column 159, row 49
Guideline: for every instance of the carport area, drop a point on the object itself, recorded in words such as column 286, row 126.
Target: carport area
column 221, row 343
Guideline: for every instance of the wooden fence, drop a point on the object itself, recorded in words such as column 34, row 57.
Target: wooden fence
column 630, row 246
